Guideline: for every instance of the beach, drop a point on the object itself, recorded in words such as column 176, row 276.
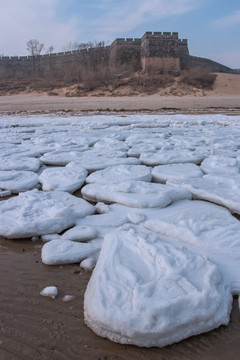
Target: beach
column 35, row 327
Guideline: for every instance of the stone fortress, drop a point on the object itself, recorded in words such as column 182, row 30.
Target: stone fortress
column 154, row 52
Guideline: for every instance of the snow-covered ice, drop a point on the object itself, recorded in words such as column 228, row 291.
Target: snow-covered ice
column 37, row 213
column 121, row 173
column 69, row 178
column 162, row 173
column 147, row 292
column 18, row 181
column 220, row 165
column 139, row 194
column 169, row 260
column 58, row 252
column 49, row 291
column 223, row 190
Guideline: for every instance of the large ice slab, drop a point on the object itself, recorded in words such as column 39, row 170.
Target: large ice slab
column 221, row 165
column 69, row 178
column 223, row 190
column 89, row 160
column 162, row 173
column 139, row 194
column 121, row 173
column 148, row 292
column 200, row 224
column 37, row 213
column 174, row 156
column 17, row 181
column 19, row 163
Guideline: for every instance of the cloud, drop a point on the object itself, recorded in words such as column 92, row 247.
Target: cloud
column 228, row 21
column 32, row 19
column 125, row 15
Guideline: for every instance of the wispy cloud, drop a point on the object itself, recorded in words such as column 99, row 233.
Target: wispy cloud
column 123, row 16
column 29, row 19
column 228, row 21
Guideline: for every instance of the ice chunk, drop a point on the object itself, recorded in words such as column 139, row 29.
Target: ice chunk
column 121, row 173
column 80, row 233
column 220, row 165
column 134, row 193
column 172, row 157
column 19, row 163
column 162, row 173
column 17, row 181
column 49, row 291
column 69, row 178
column 58, row 252
column 147, row 292
column 38, row 213
column 223, row 190
column 200, row 224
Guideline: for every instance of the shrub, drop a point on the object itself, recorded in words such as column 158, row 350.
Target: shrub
column 198, row 78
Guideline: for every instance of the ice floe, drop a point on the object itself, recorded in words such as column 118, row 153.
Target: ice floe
column 223, row 190
column 162, row 173
column 139, row 194
column 69, row 178
column 58, row 252
column 148, row 292
column 220, row 165
column 121, row 173
column 17, row 181
column 169, row 262
column 36, row 213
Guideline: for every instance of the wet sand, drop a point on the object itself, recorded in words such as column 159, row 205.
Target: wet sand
column 35, row 104
column 35, row 327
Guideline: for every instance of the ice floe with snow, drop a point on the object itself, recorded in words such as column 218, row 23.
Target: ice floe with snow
column 162, row 173
column 36, row 212
column 174, row 156
column 58, row 252
column 148, row 292
column 199, row 224
column 17, row 181
column 139, row 194
column 69, row 178
column 121, row 173
column 19, row 163
column 220, row 165
column 223, row 190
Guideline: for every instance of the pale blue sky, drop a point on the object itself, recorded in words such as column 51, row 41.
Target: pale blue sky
column 212, row 27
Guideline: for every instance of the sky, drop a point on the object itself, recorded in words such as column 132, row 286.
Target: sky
column 212, row 27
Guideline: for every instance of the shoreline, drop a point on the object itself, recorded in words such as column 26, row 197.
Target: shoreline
column 33, row 104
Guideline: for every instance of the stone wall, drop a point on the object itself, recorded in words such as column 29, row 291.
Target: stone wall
column 155, row 51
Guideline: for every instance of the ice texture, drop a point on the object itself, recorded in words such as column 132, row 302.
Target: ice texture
column 49, row 291
column 58, row 252
column 69, row 178
column 18, row 181
column 163, row 173
column 223, row 190
column 38, row 213
column 121, row 173
column 134, row 193
column 170, row 256
column 147, row 292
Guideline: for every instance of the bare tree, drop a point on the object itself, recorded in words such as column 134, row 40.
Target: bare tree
column 50, row 50
column 34, row 47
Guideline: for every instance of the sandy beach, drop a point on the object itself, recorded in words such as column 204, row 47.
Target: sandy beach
column 223, row 98
column 35, row 104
